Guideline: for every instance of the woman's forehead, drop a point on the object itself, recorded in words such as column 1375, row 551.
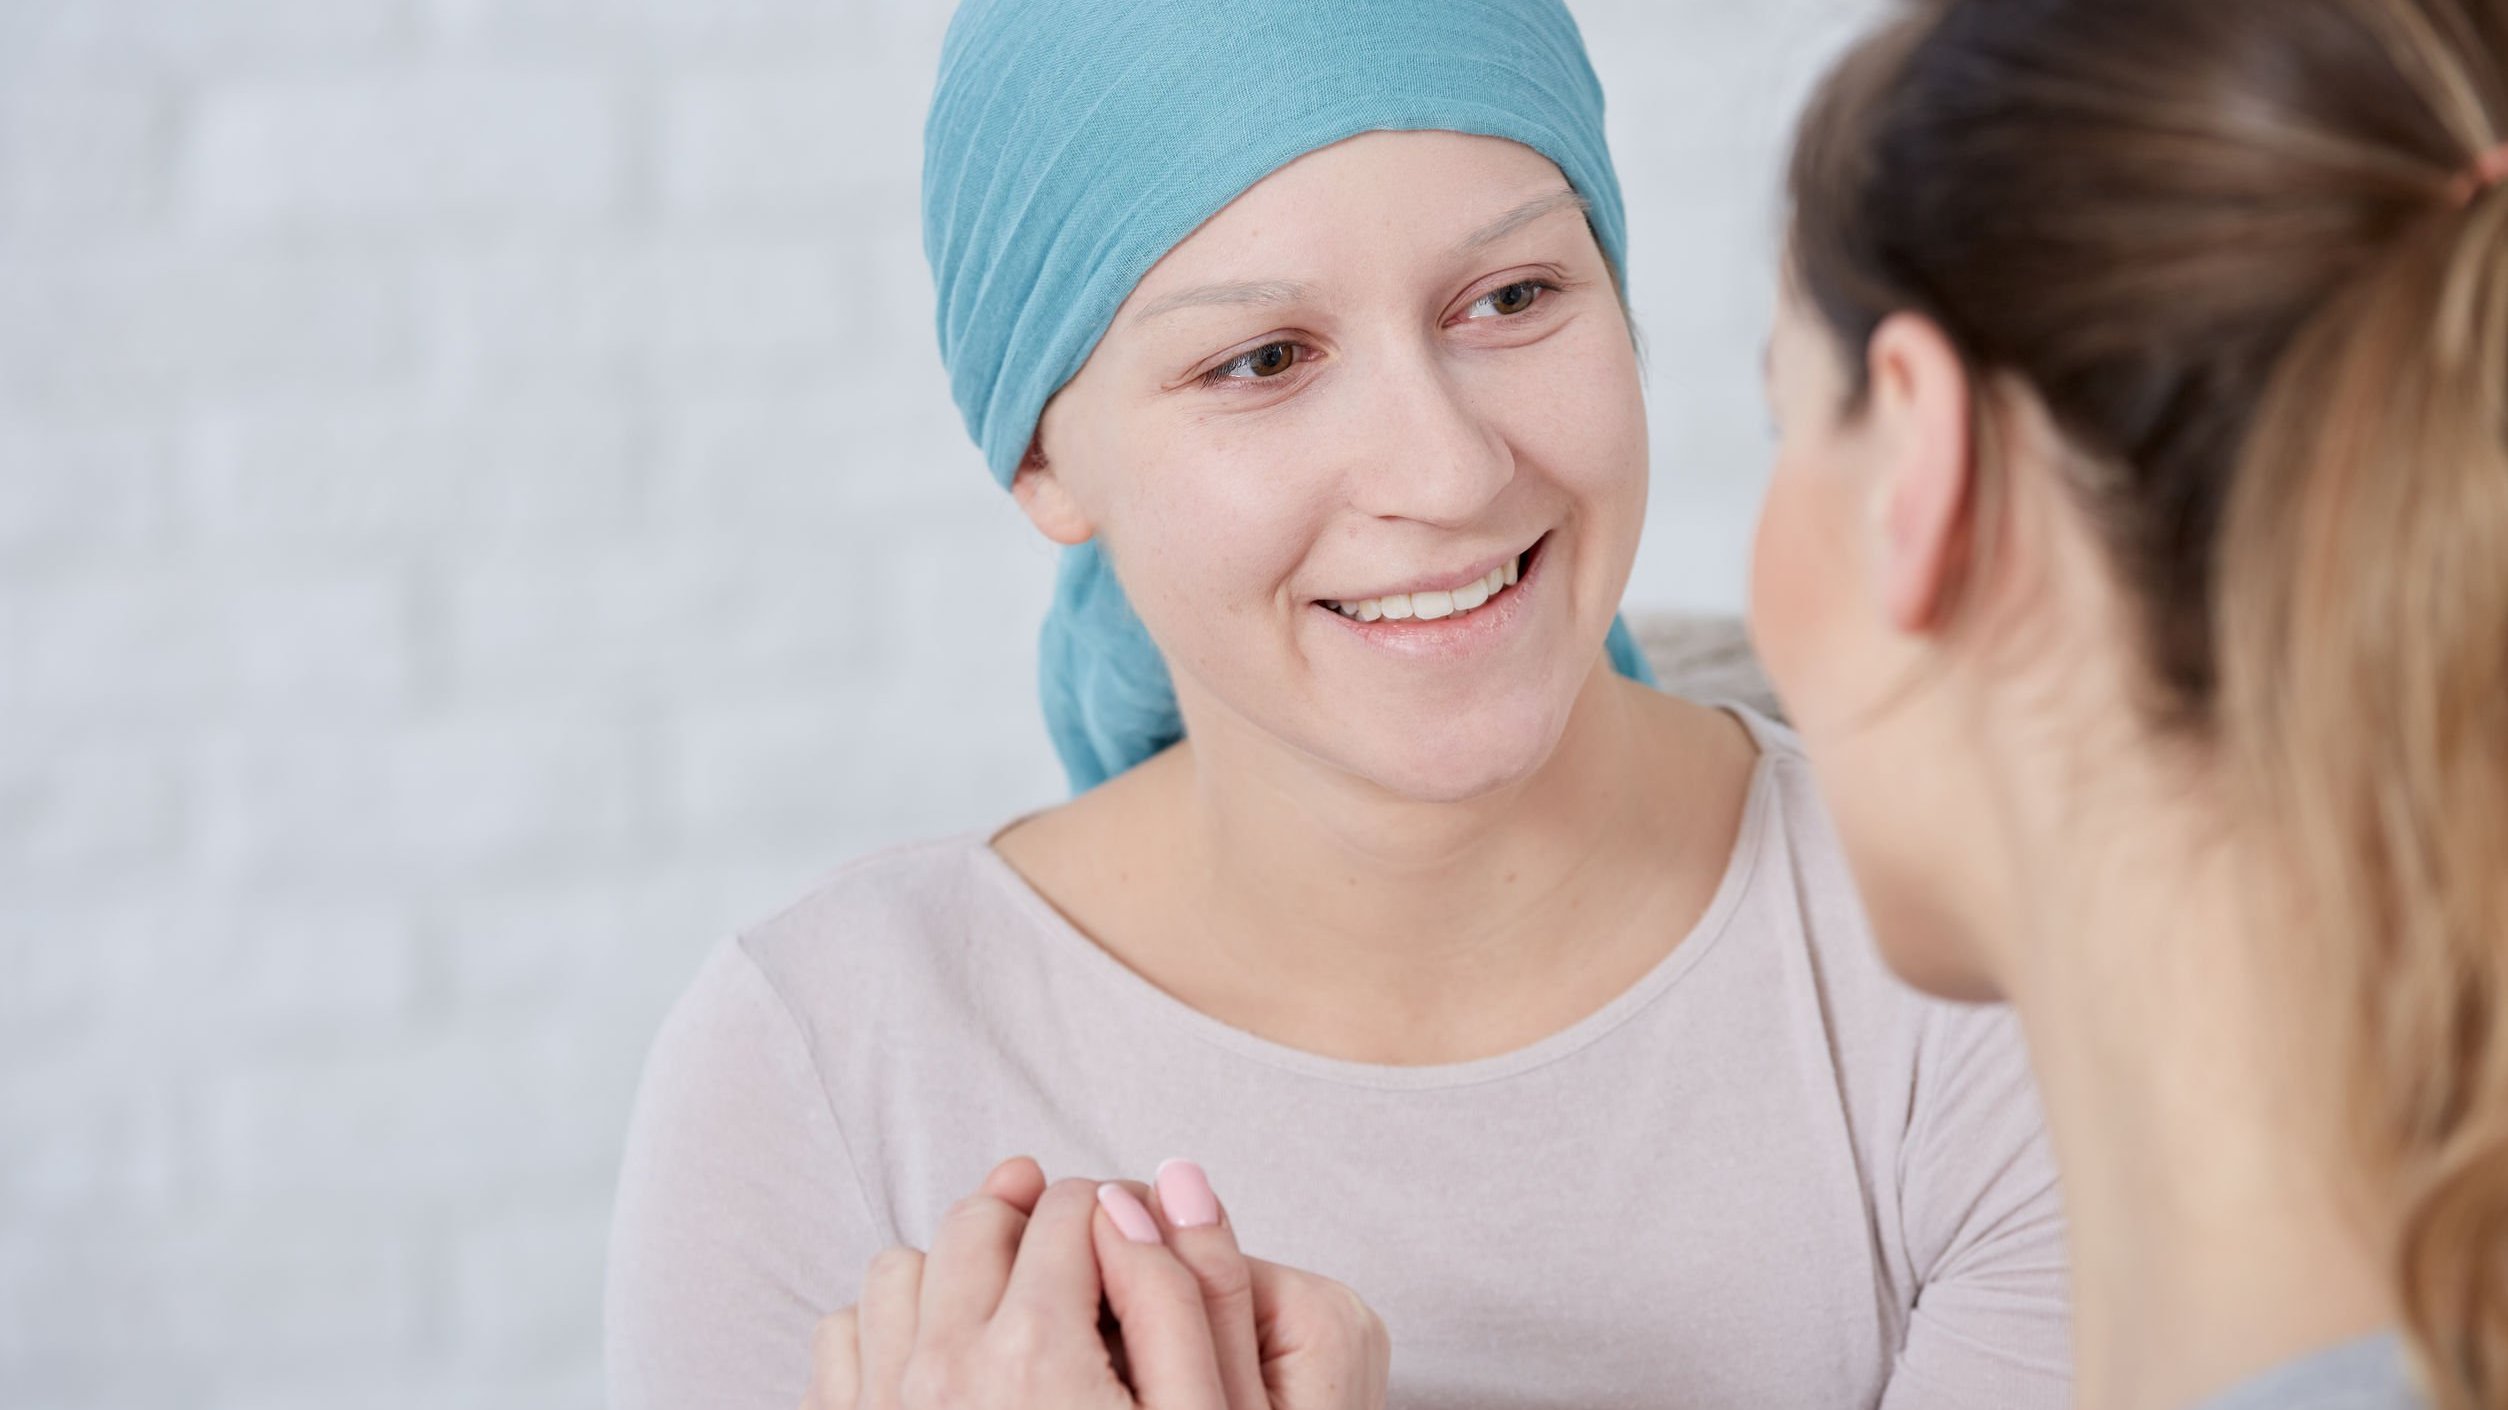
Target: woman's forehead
column 1398, row 194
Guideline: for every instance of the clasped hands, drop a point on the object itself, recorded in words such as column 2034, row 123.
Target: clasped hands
column 1084, row 1295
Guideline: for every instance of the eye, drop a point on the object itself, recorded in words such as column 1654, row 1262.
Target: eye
column 1509, row 300
column 1261, row 365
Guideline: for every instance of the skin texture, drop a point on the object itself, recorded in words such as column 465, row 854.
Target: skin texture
column 2021, row 830
column 1412, row 849
column 1376, row 854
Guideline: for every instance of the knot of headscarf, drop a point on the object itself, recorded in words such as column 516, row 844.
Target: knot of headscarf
column 1072, row 143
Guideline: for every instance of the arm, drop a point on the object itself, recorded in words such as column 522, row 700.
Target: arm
column 1983, row 1228
column 740, row 1219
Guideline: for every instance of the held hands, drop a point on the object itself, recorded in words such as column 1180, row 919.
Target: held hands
column 1004, row 1313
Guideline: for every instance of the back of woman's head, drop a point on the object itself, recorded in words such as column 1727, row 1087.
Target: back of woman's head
column 2249, row 256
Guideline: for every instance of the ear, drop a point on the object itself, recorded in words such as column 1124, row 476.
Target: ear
column 1047, row 500
column 1925, row 496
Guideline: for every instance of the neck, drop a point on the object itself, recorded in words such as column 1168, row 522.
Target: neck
column 2213, row 1232
column 1335, row 917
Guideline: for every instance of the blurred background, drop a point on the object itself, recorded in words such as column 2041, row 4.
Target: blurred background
column 481, row 518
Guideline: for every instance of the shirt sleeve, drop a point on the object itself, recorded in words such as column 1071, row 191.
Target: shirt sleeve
column 1984, row 1228
column 740, row 1218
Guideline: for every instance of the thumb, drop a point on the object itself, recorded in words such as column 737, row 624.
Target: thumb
column 1198, row 1231
column 1158, row 1306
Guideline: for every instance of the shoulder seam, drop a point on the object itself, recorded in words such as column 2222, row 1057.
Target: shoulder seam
column 818, row 1073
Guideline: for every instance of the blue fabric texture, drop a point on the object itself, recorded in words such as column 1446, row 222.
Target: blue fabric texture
column 1072, row 143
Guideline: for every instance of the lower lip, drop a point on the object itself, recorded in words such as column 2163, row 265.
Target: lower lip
column 1459, row 635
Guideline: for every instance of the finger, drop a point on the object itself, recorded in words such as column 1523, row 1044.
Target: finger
column 1159, row 1307
column 1322, row 1344
column 967, row 1270
column 835, row 1362
column 1054, row 1283
column 1018, row 1182
column 1198, row 1232
column 891, row 1292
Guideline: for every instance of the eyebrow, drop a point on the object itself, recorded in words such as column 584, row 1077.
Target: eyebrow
column 1269, row 291
column 1281, row 291
column 1523, row 215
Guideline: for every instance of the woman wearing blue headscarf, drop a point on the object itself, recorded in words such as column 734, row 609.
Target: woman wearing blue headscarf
column 1529, row 1002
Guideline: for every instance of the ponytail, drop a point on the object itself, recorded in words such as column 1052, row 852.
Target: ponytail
column 2362, row 622
column 2233, row 248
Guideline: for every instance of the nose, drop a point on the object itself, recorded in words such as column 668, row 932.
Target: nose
column 1424, row 449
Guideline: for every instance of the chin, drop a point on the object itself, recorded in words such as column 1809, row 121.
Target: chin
column 1437, row 762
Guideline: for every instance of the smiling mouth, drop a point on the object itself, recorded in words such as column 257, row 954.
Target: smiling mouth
column 1439, row 606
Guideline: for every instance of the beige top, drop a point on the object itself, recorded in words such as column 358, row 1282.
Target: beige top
column 1766, row 1177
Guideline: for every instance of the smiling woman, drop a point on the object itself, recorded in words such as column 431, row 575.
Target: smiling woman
column 1438, row 385
column 1530, row 1003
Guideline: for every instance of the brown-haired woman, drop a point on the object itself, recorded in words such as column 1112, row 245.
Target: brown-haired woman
column 2136, row 570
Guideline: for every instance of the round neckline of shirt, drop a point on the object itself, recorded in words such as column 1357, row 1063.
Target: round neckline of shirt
column 1113, row 975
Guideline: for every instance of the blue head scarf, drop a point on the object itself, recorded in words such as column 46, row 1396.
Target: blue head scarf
column 1073, row 143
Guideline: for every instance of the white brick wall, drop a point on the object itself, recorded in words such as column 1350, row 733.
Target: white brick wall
column 481, row 517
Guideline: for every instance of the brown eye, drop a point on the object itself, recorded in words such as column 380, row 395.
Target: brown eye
column 1264, row 363
column 1515, row 298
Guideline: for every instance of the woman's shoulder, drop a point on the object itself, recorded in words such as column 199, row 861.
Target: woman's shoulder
column 886, row 927
column 1806, row 873
column 911, row 882
column 1788, row 823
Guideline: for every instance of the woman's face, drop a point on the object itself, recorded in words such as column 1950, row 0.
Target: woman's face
column 1842, row 534
column 1368, row 453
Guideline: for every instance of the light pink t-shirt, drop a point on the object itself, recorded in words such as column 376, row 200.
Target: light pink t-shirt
column 1766, row 1177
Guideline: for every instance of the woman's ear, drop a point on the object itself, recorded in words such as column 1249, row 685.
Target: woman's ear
column 1925, row 497
column 1047, row 500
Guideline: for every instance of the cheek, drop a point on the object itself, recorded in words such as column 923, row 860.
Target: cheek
column 1575, row 418
column 1823, row 647
column 1798, row 578
column 1592, row 433
column 1206, row 529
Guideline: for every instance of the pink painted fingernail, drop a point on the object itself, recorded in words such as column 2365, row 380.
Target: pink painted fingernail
column 1186, row 1192
column 1131, row 1217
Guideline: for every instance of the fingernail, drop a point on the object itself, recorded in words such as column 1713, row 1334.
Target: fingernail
column 1131, row 1217
column 1186, row 1192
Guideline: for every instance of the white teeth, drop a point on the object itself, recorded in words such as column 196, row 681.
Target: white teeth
column 1432, row 606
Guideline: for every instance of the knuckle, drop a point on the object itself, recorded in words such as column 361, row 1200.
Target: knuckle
column 1352, row 1320
column 930, row 1383
column 833, row 1332
column 1223, row 1274
column 1027, row 1381
column 974, row 1209
column 894, row 1272
column 1072, row 1189
column 1019, row 1337
column 895, row 1262
column 1067, row 1200
column 1173, row 1288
